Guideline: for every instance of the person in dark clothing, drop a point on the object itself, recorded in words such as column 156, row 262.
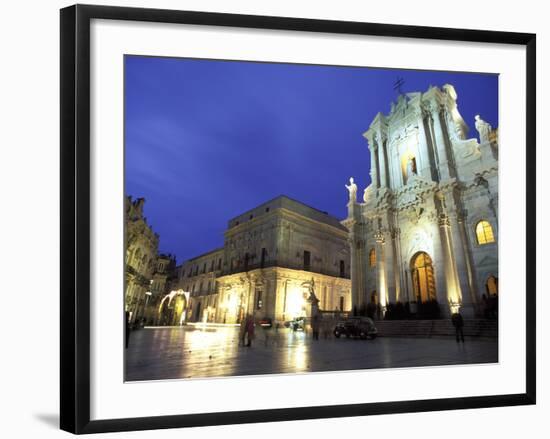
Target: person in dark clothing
column 249, row 329
column 315, row 323
column 128, row 328
column 458, row 323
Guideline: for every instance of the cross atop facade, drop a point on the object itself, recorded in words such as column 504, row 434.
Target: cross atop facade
column 397, row 85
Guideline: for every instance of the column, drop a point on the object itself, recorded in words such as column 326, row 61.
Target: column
column 248, row 289
column 409, row 291
column 424, row 167
column 352, row 227
column 381, row 161
column 462, row 278
column 390, row 268
column 373, row 166
column 439, row 139
column 396, row 241
column 453, row 293
column 472, row 278
column 396, row 170
column 382, row 287
column 280, row 300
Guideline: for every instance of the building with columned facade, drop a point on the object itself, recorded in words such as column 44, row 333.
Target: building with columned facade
column 147, row 274
column 272, row 255
column 426, row 229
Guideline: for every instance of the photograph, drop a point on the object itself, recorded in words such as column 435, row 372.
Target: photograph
column 295, row 218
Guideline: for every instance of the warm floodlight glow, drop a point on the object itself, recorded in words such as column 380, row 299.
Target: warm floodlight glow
column 295, row 302
column 173, row 294
column 231, row 303
column 454, row 306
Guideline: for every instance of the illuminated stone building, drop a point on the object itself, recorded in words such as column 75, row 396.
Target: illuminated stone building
column 198, row 278
column 141, row 256
column 147, row 274
column 161, row 284
column 427, row 227
column 270, row 255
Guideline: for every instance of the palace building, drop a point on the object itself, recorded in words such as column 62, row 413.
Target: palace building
column 426, row 229
column 271, row 257
column 147, row 274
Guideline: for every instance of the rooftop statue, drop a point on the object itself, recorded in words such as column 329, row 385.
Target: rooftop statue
column 483, row 128
column 352, row 188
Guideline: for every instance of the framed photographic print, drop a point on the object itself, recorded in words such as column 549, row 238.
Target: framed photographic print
column 275, row 218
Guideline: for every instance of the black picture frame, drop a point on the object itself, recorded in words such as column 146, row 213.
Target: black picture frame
column 75, row 217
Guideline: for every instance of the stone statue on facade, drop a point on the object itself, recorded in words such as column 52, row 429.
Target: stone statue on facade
column 483, row 128
column 410, row 168
column 312, row 299
column 310, row 285
column 352, row 188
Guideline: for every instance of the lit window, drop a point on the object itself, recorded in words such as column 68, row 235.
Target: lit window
column 492, row 286
column 484, row 233
column 372, row 257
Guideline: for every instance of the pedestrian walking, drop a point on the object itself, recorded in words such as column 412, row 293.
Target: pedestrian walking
column 325, row 324
column 266, row 330
column 458, row 323
column 128, row 328
column 242, row 331
column 249, row 330
column 315, row 322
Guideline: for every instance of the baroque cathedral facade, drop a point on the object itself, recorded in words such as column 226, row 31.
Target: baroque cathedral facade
column 426, row 229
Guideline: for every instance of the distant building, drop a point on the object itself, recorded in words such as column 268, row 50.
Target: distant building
column 270, row 255
column 426, row 230
column 146, row 273
column 161, row 284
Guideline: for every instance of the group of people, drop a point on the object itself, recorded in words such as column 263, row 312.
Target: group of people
column 247, row 329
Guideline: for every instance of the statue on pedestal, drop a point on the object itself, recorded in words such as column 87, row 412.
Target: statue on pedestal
column 352, row 188
column 310, row 285
column 483, row 128
column 411, row 167
column 315, row 315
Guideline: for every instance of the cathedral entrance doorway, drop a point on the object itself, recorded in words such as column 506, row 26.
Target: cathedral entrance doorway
column 423, row 281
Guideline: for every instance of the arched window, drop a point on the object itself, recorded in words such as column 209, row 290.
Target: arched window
column 408, row 166
column 484, row 233
column 372, row 257
column 137, row 257
column 492, row 286
column 143, row 263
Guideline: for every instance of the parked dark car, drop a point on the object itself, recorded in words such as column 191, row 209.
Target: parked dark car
column 362, row 327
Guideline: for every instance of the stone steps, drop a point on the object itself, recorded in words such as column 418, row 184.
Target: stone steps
column 435, row 328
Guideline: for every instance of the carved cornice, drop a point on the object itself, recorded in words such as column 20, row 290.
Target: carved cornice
column 414, row 193
column 448, row 185
column 380, row 137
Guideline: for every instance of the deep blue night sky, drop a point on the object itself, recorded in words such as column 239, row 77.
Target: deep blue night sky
column 207, row 140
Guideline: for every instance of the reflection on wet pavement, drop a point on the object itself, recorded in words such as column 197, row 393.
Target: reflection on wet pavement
column 194, row 352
